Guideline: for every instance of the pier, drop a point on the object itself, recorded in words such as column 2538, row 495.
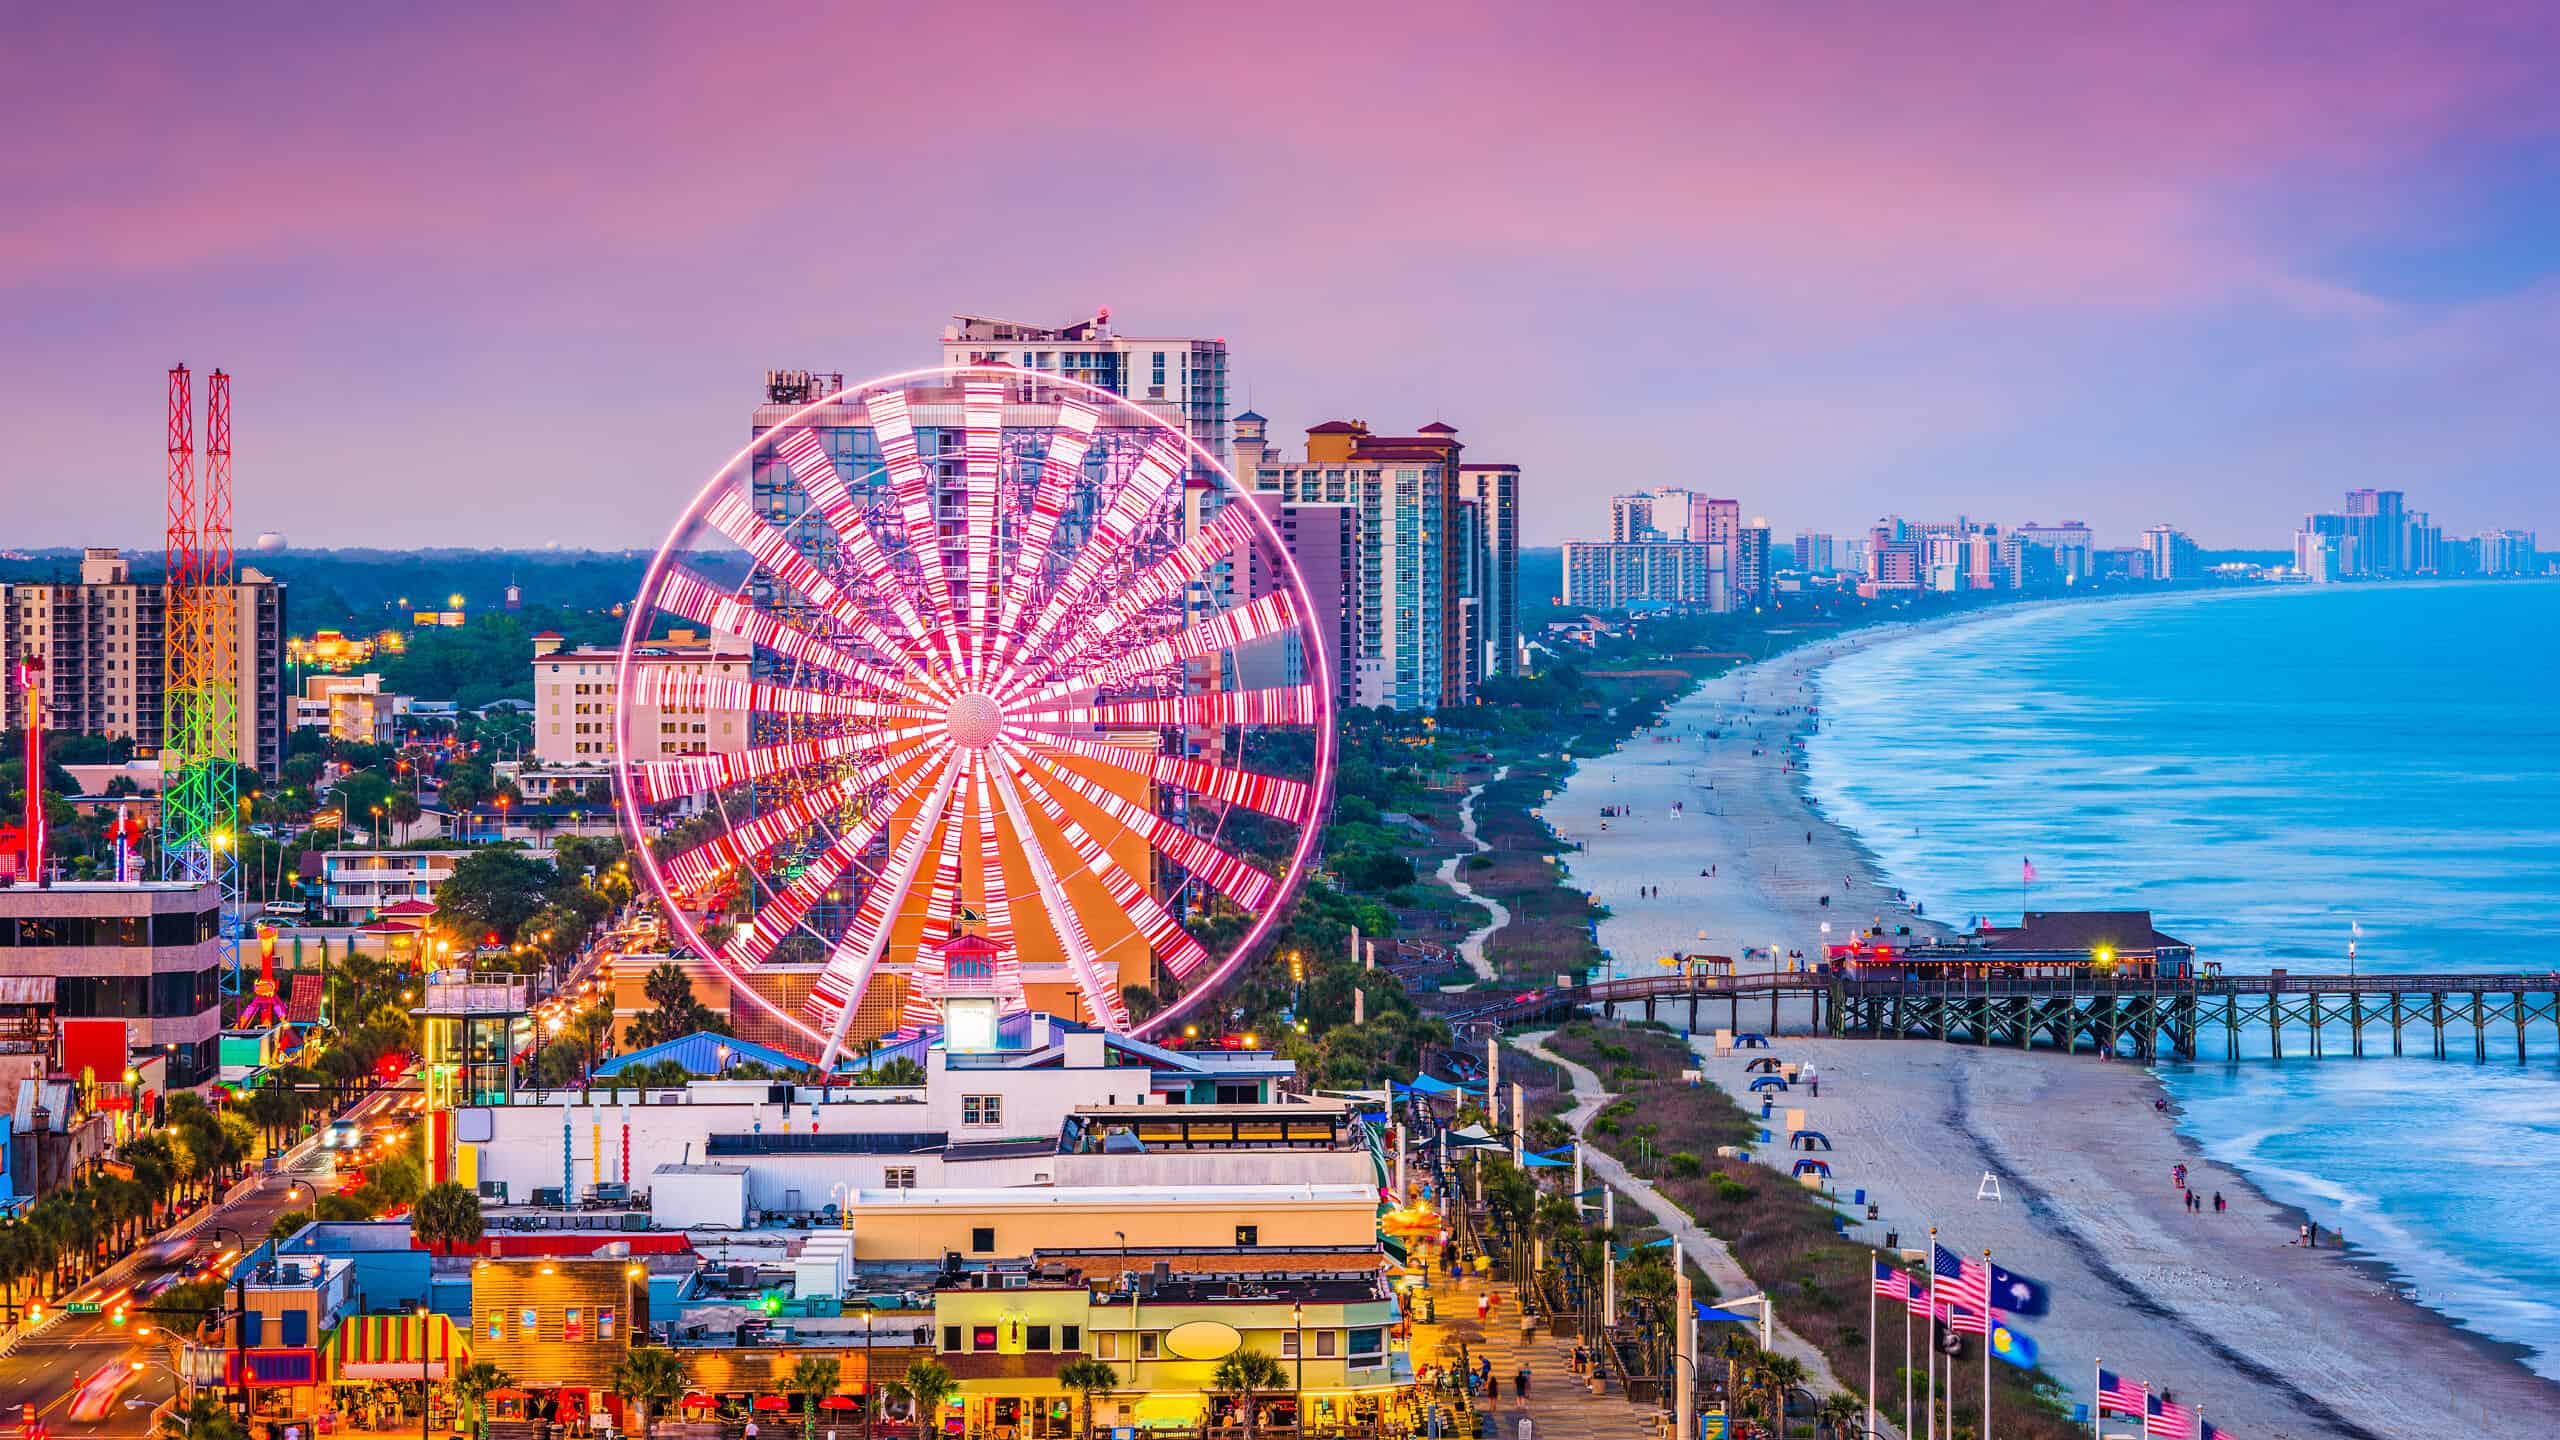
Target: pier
column 2138, row 1017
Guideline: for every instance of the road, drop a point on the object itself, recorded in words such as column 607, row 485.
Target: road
column 48, row 1371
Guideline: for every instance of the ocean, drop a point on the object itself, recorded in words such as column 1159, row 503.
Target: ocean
column 2272, row 773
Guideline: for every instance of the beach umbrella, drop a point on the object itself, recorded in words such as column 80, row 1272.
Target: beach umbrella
column 772, row 1402
column 839, row 1402
column 696, row 1400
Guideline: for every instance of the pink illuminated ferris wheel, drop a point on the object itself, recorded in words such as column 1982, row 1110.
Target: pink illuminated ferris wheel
column 969, row 691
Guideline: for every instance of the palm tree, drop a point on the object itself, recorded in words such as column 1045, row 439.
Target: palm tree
column 206, row 1417
column 1844, row 1415
column 447, row 1216
column 897, row 1070
column 1248, row 1375
column 928, row 1383
column 473, row 1387
column 813, row 1379
column 1782, row 1374
column 649, row 1378
column 1088, row 1377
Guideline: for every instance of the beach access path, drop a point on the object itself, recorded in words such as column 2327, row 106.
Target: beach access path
column 1471, row 949
column 2271, row 1339
column 1695, row 1242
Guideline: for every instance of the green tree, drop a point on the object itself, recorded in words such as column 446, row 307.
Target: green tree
column 651, row 1379
column 1248, row 1375
column 447, row 1218
column 1088, row 1377
column 206, row 1417
column 897, row 1070
column 813, row 1379
column 676, row 1013
column 493, row 890
column 928, row 1383
column 474, row 1385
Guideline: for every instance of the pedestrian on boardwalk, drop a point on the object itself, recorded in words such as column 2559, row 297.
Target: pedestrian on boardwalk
column 1484, row 1306
column 1520, row 1382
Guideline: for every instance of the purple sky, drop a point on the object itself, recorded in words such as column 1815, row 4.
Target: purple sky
column 497, row 280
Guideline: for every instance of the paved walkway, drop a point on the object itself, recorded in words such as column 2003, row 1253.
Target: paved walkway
column 1471, row 949
column 1708, row 1252
column 1558, row 1406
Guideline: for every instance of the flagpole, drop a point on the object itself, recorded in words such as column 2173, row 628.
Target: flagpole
column 1871, row 1349
column 1906, row 1358
column 1987, row 1326
column 1932, row 1432
column 2097, row 1399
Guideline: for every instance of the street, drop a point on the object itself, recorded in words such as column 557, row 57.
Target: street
column 48, row 1371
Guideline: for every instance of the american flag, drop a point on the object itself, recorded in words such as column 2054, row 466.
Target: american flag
column 2167, row 1420
column 1965, row 1320
column 2207, row 1430
column 1967, row 1282
column 2123, row 1396
column 1919, row 1292
column 1889, row 1283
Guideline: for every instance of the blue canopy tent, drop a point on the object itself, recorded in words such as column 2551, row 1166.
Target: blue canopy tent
column 1808, row 1140
column 1708, row 1314
column 1426, row 1085
column 1811, row 1166
column 1764, row 1065
column 1770, row 1082
column 1751, row 1041
column 1544, row 1162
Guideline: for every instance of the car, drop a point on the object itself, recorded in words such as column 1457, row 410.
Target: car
column 342, row 1135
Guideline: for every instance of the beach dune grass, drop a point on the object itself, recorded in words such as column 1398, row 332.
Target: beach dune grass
column 1780, row 1232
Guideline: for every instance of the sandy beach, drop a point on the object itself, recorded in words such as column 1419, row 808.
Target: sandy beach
column 2224, row 1310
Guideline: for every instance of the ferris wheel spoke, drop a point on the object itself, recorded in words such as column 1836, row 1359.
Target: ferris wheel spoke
column 1061, row 470
column 1282, row 705
column 815, row 471
column 992, row 896
column 841, row 985
column 1155, row 474
column 719, row 692
column 1182, row 954
column 755, row 944
column 732, row 516
column 1102, row 1000
column 694, row 870
column 657, row 781
column 894, row 426
column 1227, row 630
column 1271, row 795
column 1228, row 874
column 1164, row 580
column 941, row 913
column 682, row 592
column 982, row 420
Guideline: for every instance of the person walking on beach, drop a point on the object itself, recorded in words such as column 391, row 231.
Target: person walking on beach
column 2217, row 1202
column 2302, row 1236
column 1520, row 1384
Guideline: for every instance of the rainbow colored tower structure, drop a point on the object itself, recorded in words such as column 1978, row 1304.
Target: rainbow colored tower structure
column 200, row 745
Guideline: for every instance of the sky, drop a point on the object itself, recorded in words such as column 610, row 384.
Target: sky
column 492, row 277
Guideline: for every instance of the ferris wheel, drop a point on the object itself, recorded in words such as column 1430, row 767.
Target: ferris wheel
column 1013, row 699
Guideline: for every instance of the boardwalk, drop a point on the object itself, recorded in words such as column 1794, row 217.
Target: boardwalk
column 1558, row 1406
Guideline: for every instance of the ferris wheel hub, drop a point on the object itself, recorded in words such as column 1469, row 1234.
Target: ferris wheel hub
column 974, row 720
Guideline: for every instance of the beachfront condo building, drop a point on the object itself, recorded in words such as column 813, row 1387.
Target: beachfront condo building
column 1414, row 561
column 1608, row 575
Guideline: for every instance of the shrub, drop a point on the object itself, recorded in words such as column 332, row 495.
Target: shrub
column 1685, row 1166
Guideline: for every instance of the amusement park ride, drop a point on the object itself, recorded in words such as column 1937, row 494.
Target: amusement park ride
column 1027, row 661
column 200, row 741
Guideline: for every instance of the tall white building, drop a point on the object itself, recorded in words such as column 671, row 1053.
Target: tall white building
column 102, row 641
column 1494, row 489
column 2173, row 554
column 1182, row 378
column 574, row 693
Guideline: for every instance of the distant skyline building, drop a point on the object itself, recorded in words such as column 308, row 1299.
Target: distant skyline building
column 1614, row 575
column 2173, row 554
column 1494, row 488
column 1816, row 554
column 102, row 639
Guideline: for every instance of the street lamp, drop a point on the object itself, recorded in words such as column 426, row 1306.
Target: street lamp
column 1298, row 1328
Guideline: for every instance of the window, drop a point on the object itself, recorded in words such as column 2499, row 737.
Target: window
column 899, row 1177
column 981, row 1109
column 573, row 1324
column 982, row 1337
column 1147, row 1340
column 1368, row 1346
column 1106, row 1345
column 950, row 1337
column 1288, row 1344
column 982, row 1240
column 1324, row 1344
column 604, row 1324
column 252, row 1328
column 497, row 1325
column 1070, row 1337
column 1035, row 1337
column 1248, row 1235
column 297, row 1327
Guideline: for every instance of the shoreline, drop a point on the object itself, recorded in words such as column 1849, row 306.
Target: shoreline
column 2286, row 1349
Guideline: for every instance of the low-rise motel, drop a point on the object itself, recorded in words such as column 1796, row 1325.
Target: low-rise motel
column 1059, row 1194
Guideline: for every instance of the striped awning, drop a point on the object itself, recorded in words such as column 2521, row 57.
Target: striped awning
column 395, row 1347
